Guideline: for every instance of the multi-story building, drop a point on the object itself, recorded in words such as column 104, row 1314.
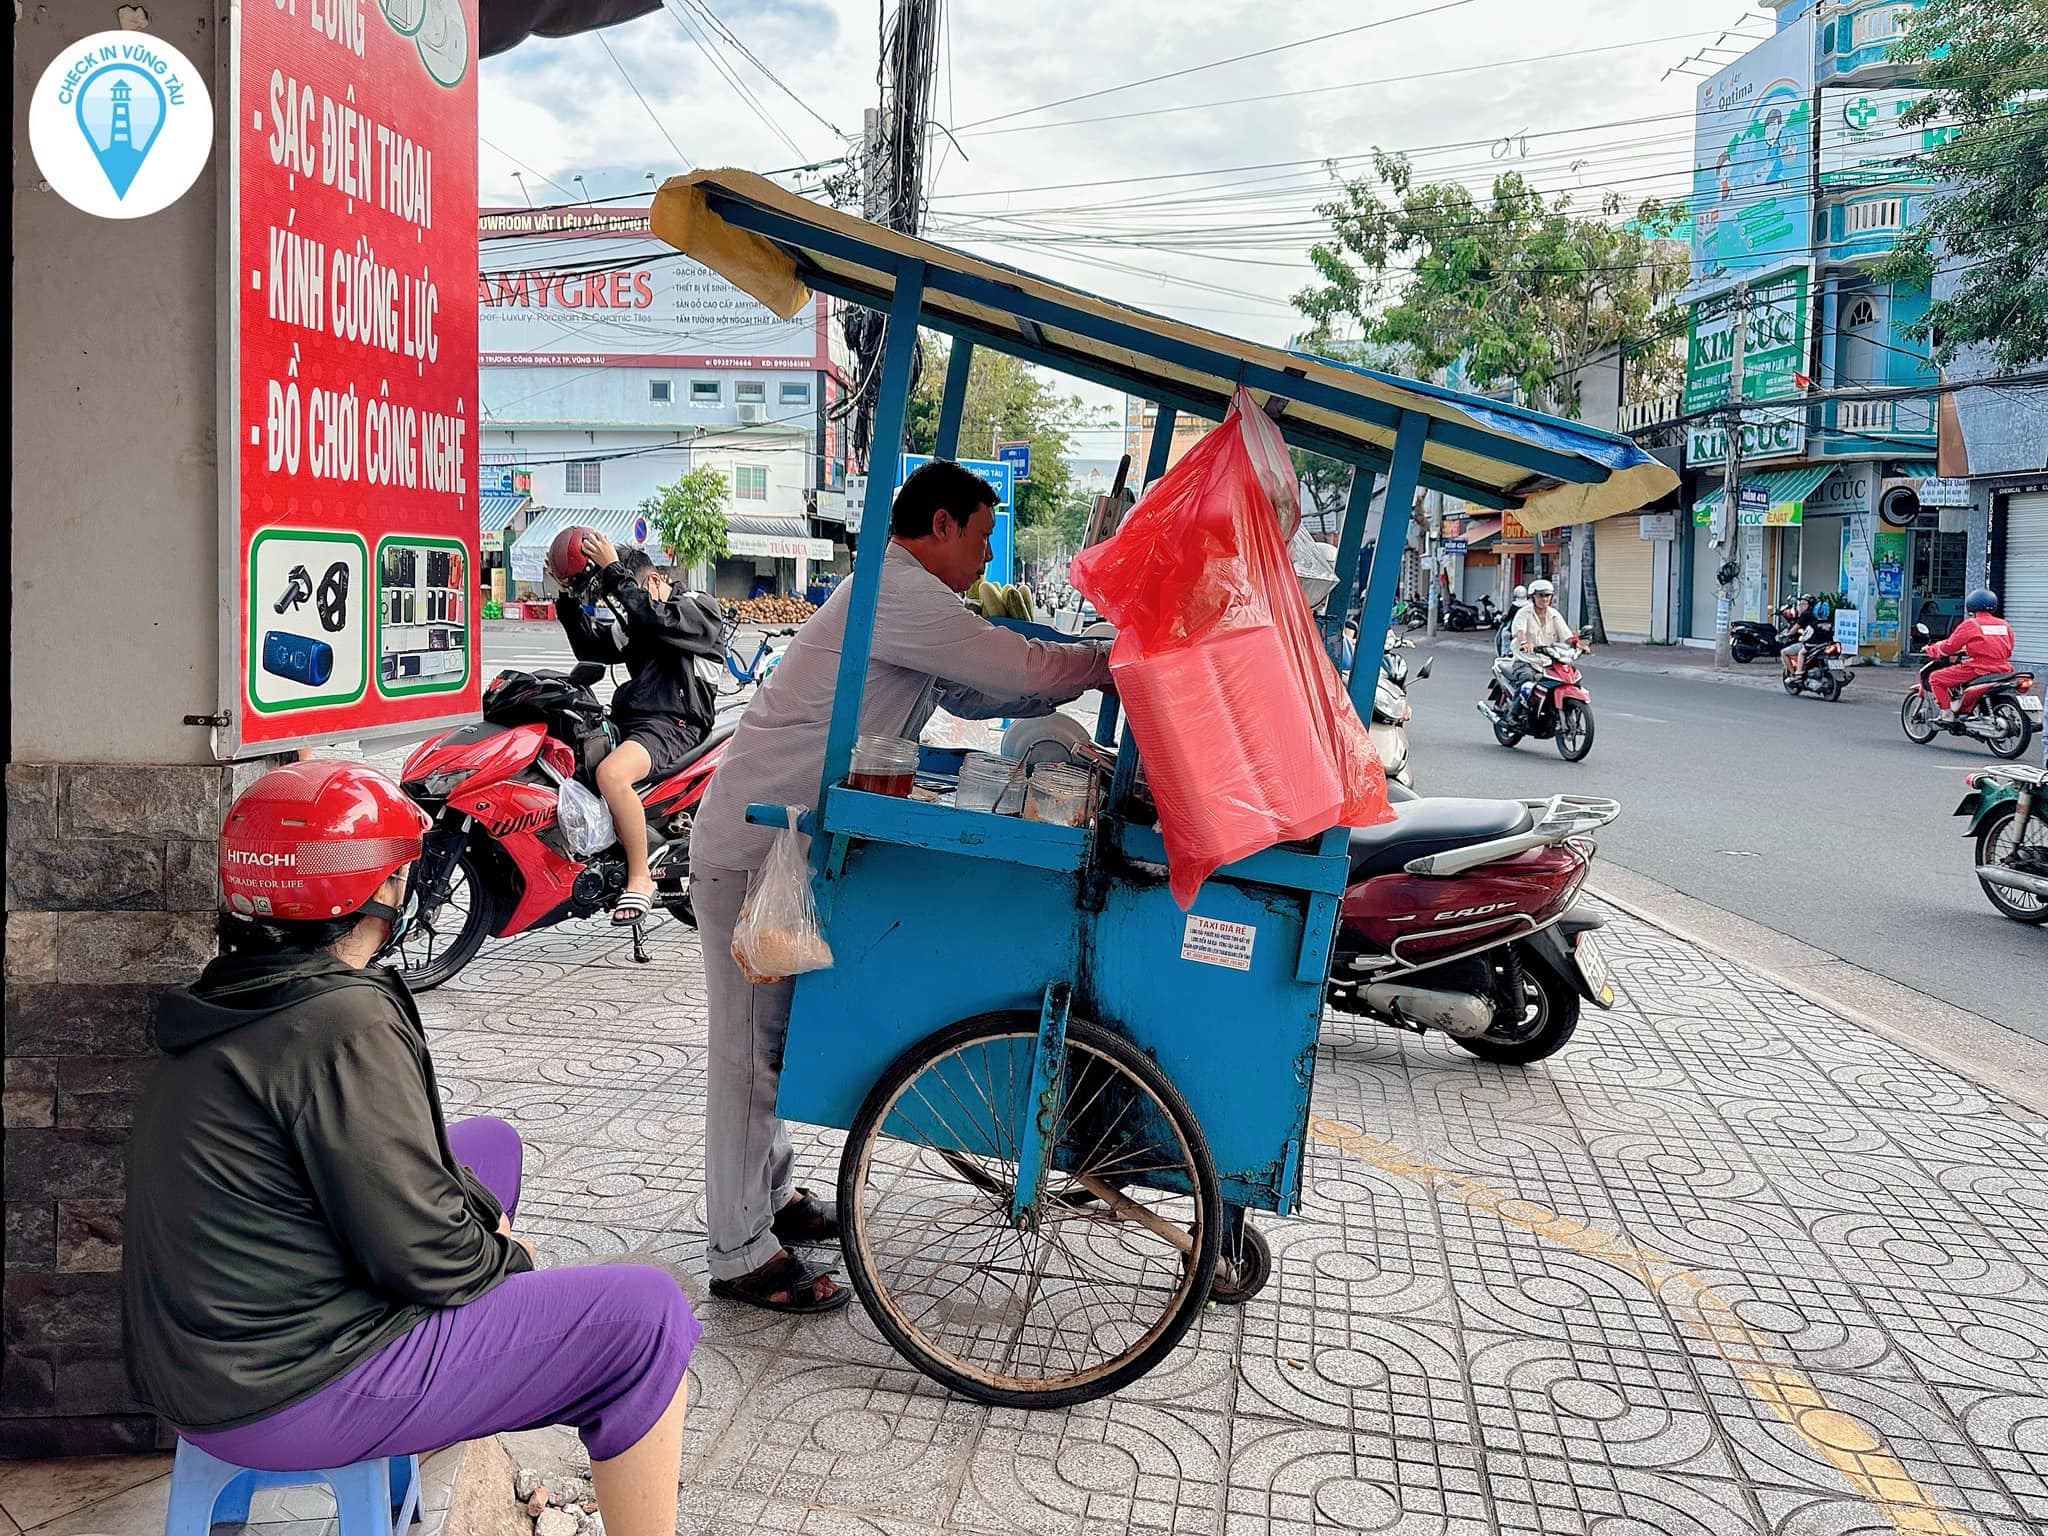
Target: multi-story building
column 611, row 365
column 1805, row 175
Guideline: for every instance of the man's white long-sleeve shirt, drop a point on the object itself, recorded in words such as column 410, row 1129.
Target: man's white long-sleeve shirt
column 929, row 652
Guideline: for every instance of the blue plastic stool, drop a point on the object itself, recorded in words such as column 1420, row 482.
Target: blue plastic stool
column 380, row 1497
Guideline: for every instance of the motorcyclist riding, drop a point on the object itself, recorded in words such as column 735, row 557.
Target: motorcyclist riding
column 1538, row 624
column 1983, row 645
column 1504, row 642
column 1811, row 627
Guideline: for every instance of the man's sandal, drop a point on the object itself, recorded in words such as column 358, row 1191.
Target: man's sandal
column 788, row 1276
column 807, row 1219
column 631, row 907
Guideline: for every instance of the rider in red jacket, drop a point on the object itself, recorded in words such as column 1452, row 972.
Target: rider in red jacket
column 1983, row 641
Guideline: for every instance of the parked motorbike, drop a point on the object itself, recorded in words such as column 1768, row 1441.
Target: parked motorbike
column 1489, row 615
column 1557, row 708
column 2008, row 811
column 1460, row 616
column 2001, row 710
column 497, row 862
column 1459, row 917
column 1391, row 713
column 1826, row 673
column 1750, row 638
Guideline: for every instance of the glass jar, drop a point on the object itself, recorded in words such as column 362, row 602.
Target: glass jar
column 1059, row 794
column 883, row 765
column 984, row 777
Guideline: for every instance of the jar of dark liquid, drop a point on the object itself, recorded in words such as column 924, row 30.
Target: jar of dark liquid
column 883, row 765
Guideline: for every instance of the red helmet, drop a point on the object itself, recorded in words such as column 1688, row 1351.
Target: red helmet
column 314, row 840
column 566, row 559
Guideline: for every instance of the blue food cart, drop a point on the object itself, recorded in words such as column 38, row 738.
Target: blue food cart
column 1061, row 1093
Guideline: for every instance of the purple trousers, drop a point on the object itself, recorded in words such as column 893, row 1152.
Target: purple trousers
column 602, row 1347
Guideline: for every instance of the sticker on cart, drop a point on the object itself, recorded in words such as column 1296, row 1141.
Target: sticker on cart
column 1211, row 941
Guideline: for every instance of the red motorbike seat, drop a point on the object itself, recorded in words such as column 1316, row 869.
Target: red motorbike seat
column 1435, row 825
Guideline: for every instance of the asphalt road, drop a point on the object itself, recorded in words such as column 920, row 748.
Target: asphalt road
column 1819, row 820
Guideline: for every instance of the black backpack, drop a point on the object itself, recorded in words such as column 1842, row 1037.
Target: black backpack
column 570, row 712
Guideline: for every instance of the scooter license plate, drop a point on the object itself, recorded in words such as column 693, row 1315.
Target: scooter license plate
column 2030, row 703
column 1593, row 967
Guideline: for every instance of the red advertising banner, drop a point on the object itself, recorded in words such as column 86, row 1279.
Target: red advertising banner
column 349, row 460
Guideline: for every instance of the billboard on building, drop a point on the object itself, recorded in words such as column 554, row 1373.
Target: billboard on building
column 1863, row 143
column 1776, row 330
column 1752, row 192
column 583, row 288
column 348, row 401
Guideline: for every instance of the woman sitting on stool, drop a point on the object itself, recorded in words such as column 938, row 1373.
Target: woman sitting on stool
column 317, row 1270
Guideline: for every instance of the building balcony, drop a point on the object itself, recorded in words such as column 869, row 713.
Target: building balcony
column 1874, row 428
column 1853, row 38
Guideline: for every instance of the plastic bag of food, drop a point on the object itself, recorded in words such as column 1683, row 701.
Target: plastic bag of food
column 585, row 819
column 1247, row 734
column 778, row 933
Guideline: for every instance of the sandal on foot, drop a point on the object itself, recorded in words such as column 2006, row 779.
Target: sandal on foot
column 788, row 1276
column 807, row 1219
column 631, row 907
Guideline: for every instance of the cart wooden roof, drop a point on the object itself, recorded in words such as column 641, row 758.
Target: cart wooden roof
column 779, row 248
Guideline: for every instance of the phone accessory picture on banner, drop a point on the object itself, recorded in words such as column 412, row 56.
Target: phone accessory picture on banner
column 290, row 668
column 422, row 609
column 334, row 597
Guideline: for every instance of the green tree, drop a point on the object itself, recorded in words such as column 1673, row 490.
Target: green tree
column 688, row 517
column 1007, row 401
column 1515, row 288
column 1983, row 68
column 1042, row 544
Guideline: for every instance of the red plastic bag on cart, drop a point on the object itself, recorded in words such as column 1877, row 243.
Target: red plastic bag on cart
column 1247, row 734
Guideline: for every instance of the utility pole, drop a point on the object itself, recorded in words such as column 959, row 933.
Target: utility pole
column 1432, row 544
column 1731, row 484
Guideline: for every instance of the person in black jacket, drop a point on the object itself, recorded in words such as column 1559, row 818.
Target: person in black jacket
column 317, row 1269
column 665, row 708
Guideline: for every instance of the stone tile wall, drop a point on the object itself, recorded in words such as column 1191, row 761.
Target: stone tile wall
column 110, row 898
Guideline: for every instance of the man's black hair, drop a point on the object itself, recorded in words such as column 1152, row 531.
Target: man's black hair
column 938, row 486
column 635, row 559
column 270, row 936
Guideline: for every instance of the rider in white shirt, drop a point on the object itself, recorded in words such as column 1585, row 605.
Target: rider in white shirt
column 1538, row 624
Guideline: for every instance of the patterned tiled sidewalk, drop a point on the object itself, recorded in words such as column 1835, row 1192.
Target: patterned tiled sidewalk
column 1725, row 1265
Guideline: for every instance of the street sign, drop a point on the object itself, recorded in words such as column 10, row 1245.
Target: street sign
column 1652, row 526
column 1002, row 557
column 349, row 465
column 1453, row 546
column 1753, row 498
column 1018, row 457
column 640, row 530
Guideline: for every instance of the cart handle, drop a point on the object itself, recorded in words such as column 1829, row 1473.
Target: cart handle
column 777, row 816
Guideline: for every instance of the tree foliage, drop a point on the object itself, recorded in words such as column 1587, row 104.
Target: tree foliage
column 688, row 517
column 1515, row 288
column 1985, row 69
column 1007, row 401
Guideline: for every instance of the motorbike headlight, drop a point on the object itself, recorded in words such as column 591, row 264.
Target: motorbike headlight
column 441, row 785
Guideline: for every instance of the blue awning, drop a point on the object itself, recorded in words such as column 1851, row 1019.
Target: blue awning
column 496, row 509
column 530, row 552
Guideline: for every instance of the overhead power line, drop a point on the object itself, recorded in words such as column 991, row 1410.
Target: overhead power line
column 653, row 116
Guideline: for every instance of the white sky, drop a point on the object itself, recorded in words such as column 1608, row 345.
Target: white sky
column 564, row 109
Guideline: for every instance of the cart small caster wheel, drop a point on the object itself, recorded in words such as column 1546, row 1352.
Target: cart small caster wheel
column 1238, row 1282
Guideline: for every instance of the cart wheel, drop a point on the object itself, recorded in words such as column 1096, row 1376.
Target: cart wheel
column 1241, row 1278
column 1108, row 1268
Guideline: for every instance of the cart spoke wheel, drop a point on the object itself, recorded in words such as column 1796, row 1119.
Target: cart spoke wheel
column 1106, row 1269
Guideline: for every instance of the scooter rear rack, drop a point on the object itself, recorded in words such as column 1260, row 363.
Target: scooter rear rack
column 1558, row 820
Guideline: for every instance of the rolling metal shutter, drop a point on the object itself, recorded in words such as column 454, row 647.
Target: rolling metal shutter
column 2025, row 594
column 1621, row 566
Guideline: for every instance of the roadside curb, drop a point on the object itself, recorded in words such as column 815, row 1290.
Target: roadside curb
column 1996, row 1058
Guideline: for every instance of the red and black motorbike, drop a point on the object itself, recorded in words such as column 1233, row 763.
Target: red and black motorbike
column 1459, row 917
column 496, row 862
column 1999, row 709
column 1556, row 707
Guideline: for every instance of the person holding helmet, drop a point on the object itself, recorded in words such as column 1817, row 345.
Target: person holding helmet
column 1983, row 645
column 317, row 1269
column 1539, row 624
column 668, row 641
